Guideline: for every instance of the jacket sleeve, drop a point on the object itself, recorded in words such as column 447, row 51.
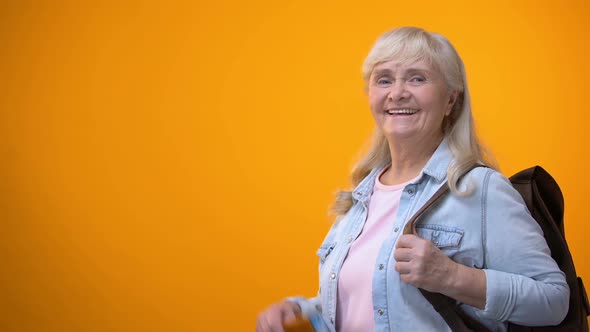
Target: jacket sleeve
column 524, row 284
column 312, row 309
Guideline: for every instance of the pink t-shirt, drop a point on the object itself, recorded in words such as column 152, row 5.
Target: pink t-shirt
column 354, row 312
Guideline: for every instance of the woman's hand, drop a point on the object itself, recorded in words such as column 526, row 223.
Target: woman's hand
column 423, row 265
column 271, row 320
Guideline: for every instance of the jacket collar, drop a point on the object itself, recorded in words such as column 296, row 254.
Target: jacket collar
column 436, row 168
column 439, row 163
column 363, row 191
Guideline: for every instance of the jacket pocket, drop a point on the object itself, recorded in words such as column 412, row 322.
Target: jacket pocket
column 325, row 250
column 443, row 237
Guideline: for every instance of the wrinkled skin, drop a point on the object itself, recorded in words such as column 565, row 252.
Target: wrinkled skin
column 423, row 265
column 271, row 319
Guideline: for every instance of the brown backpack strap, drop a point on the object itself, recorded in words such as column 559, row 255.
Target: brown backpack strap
column 410, row 227
column 447, row 307
column 453, row 315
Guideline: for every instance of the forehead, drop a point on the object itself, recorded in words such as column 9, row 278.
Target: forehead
column 402, row 67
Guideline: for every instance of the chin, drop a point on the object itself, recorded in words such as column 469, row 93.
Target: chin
column 397, row 134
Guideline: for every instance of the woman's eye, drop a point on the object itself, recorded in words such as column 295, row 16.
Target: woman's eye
column 383, row 81
column 417, row 79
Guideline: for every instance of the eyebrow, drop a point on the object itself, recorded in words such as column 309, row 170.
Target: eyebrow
column 387, row 71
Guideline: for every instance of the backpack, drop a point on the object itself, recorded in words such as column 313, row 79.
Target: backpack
column 544, row 200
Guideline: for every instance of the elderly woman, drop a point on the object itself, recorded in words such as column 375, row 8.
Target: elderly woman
column 477, row 245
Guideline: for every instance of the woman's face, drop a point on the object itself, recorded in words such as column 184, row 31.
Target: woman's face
column 409, row 102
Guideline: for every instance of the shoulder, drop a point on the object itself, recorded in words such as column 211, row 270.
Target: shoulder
column 492, row 184
column 501, row 203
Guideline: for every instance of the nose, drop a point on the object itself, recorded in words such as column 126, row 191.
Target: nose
column 398, row 91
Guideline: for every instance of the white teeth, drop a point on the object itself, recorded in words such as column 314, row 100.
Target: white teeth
column 402, row 111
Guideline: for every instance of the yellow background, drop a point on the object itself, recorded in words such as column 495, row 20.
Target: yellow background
column 168, row 166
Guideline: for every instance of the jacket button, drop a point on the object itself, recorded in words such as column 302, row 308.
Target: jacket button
column 333, row 275
column 380, row 312
column 381, row 266
column 396, row 229
column 410, row 191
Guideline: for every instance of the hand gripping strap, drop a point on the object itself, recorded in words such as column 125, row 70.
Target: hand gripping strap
column 447, row 307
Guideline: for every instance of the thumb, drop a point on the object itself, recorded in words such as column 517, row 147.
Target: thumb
column 406, row 241
column 299, row 324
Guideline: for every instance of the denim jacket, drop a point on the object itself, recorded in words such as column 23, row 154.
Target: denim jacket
column 491, row 229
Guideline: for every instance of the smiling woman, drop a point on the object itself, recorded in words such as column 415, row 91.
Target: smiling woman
column 409, row 105
column 478, row 246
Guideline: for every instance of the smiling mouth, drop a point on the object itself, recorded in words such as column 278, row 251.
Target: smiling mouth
column 405, row 111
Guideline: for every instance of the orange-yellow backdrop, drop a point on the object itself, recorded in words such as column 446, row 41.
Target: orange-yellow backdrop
column 168, row 166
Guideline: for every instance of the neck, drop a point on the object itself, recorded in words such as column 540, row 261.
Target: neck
column 408, row 159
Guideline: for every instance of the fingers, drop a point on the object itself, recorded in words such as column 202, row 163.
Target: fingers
column 290, row 312
column 261, row 325
column 271, row 320
column 411, row 280
column 407, row 241
column 266, row 323
column 402, row 254
column 403, row 267
column 407, row 274
column 421, row 264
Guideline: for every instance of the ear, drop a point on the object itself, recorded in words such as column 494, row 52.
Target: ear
column 452, row 99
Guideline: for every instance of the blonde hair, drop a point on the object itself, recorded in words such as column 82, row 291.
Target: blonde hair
column 407, row 45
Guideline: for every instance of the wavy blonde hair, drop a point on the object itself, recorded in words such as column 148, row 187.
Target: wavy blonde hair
column 407, row 45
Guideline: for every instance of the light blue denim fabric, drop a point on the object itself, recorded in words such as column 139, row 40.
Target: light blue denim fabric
column 491, row 229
